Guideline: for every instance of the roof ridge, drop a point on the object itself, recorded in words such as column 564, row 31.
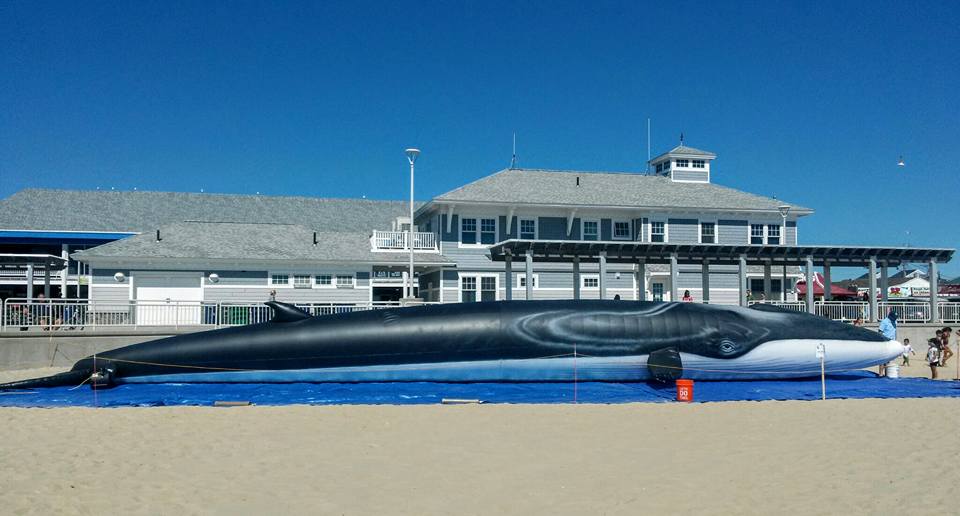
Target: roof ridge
column 210, row 194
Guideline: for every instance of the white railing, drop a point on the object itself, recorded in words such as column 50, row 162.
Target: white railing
column 79, row 314
column 397, row 240
column 20, row 273
column 907, row 311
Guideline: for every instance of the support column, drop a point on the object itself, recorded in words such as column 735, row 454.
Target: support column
column 529, row 274
column 576, row 277
column 603, row 275
column 827, row 282
column 30, row 281
column 705, row 281
column 767, row 282
column 742, row 272
column 934, row 288
column 783, row 285
column 508, row 276
column 65, row 254
column 46, row 281
column 810, row 307
column 884, row 282
column 673, row 278
column 641, row 281
column 872, row 316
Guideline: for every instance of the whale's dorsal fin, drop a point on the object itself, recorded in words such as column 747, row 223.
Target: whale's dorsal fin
column 284, row 313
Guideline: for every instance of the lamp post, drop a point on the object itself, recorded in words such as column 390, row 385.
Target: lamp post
column 784, row 209
column 411, row 157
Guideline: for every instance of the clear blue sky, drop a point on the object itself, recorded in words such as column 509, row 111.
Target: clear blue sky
column 812, row 102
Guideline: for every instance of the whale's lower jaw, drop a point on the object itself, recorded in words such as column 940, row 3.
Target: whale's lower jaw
column 771, row 360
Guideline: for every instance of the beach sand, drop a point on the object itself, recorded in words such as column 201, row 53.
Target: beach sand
column 798, row 457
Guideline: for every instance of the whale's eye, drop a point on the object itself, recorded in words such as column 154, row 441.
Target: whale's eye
column 728, row 347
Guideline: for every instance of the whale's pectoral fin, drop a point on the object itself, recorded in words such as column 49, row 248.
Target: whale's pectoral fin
column 284, row 313
column 665, row 365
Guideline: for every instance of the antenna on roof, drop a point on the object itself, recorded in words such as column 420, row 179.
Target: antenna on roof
column 681, row 139
column 513, row 160
column 647, row 171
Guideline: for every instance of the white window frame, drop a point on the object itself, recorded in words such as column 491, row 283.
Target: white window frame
column 613, row 229
column 766, row 233
column 478, row 276
column 479, row 219
column 583, row 224
column 666, row 231
column 585, row 277
column 353, row 280
column 716, row 232
column 698, row 163
column 523, row 275
column 750, row 233
column 293, row 280
column 317, row 284
column 536, row 226
column 288, row 284
column 683, row 163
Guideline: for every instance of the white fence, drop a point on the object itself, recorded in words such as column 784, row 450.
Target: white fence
column 78, row 314
column 396, row 240
column 907, row 311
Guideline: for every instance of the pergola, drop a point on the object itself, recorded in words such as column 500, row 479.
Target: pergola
column 641, row 254
column 46, row 262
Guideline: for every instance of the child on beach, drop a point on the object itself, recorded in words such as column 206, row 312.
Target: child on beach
column 907, row 351
column 933, row 356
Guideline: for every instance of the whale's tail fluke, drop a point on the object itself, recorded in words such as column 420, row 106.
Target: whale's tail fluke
column 74, row 377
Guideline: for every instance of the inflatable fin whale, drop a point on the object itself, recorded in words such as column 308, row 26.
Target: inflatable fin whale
column 506, row 341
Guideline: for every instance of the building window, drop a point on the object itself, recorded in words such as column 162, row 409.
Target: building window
column 591, row 230
column 683, row 163
column 591, row 282
column 621, row 230
column 468, row 231
column 773, row 234
column 468, row 289
column 708, row 232
column 488, row 231
column 279, row 279
column 528, row 229
column 666, row 165
column 522, row 281
column 699, row 163
column 324, row 280
column 657, row 290
column 488, row 288
column 301, row 281
column 659, row 167
column 658, row 232
column 756, row 234
column 344, row 281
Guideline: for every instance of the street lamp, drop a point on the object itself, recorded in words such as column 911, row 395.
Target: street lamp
column 784, row 209
column 411, row 157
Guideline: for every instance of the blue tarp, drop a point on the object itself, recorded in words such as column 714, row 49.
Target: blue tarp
column 859, row 384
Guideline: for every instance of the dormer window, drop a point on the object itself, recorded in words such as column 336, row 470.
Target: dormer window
column 683, row 163
column 699, row 163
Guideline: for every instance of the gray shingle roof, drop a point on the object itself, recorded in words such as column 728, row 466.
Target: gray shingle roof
column 93, row 210
column 683, row 150
column 559, row 187
column 251, row 241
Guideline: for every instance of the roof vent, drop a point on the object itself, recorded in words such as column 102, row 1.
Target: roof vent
column 314, row 238
column 158, row 235
column 578, row 180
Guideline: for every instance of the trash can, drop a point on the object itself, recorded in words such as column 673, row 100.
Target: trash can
column 684, row 390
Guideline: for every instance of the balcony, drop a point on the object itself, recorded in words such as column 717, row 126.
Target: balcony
column 397, row 241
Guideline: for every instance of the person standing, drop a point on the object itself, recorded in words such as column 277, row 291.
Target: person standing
column 907, row 351
column 933, row 357
column 888, row 328
column 945, row 351
column 687, row 298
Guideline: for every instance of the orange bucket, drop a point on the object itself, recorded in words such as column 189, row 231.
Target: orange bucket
column 684, row 390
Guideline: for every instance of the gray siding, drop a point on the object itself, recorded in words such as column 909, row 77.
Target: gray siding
column 108, row 294
column 791, row 233
column 287, row 295
column 105, row 276
column 683, row 231
column 167, row 279
column 732, row 232
column 691, row 175
column 239, row 278
column 692, row 280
